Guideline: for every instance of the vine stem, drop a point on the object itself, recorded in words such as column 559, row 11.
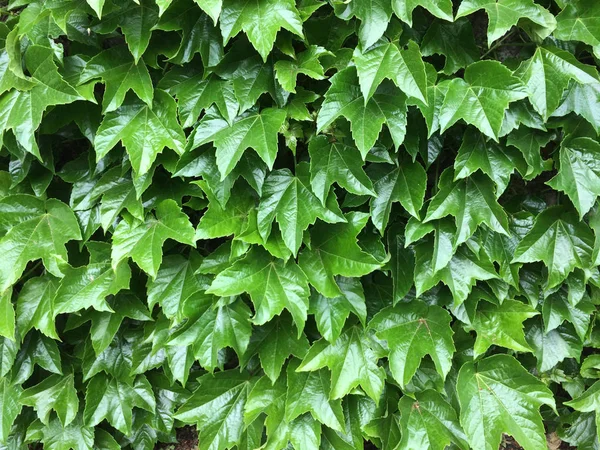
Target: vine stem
column 497, row 44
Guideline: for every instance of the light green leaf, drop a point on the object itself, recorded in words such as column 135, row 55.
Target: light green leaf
column 439, row 8
column 366, row 118
column 36, row 229
column 504, row 14
column 412, row 331
column 481, row 98
column 260, row 20
column 497, row 395
column 144, row 131
column 560, row 241
column 306, row 62
column 56, row 393
column 335, row 162
column 580, row 21
column 351, row 361
column 273, row 286
column 10, row 407
column 579, row 173
column 143, row 241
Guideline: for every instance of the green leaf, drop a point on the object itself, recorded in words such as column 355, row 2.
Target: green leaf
column 7, row 313
column 273, row 286
column 439, row 8
column 334, row 251
column 385, row 60
column 343, row 98
column 217, row 408
column 288, row 201
column 405, row 183
column 481, row 98
column 260, row 20
column 351, row 360
column 120, row 73
column 211, row 7
column 578, row 174
column 547, row 74
column 309, row 392
column 143, row 130
column 374, row 16
column 413, row 330
column 54, row 393
column 429, row 421
column 10, row 407
column 501, row 325
column 275, row 342
column 112, row 399
column 254, row 129
column 56, row 437
column 306, row 62
column 143, row 241
column 331, row 313
column 454, row 41
column 97, row 6
column 504, row 14
column 210, row 328
column 22, row 111
column 496, row 161
column 497, row 395
column 37, row 229
column 335, row 162
column 530, row 142
column 578, row 21
column 471, row 202
column 560, row 241
column 553, row 347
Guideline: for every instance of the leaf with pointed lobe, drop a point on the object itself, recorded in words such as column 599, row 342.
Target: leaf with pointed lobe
column 580, row 21
column 306, row 63
column 453, row 40
column 54, row 393
column 481, row 98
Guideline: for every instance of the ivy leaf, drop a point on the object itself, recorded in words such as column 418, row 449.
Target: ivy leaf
column 530, row 143
column 385, row 60
column 335, row 162
column 275, row 342
column 553, row 347
column 210, row 328
column 260, row 20
column 579, row 173
column 557, row 308
column 496, row 161
column 405, row 183
column 578, row 21
column 331, row 313
column 35, row 308
column 453, row 40
column 54, row 393
column 217, row 407
column 97, row 6
column 136, row 20
column 413, row 330
column 334, row 251
column 558, row 68
column 120, row 74
column 144, row 131
column 10, row 407
column 37, row 229
column 309, row 392
column 429, row 421
column 560, row 241
column 143, row 241
column 56, row 437
column 583, row 100
column 112, row 399
column 589, row 401
column 499, row 325
column 497, row 395
column 273, row 286
column 504, row 14
column 211, row 7
column 254, row 129
column 481, row 98
column 288, row 201
column 306, row 62
column 351, row 361
column 439, row 8
column 343, row 98
column 374, row 16
column 471, row 201
column 22, row 111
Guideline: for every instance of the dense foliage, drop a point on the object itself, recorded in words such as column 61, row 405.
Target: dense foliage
column 299, row 223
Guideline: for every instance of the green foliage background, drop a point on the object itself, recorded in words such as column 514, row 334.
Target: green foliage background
column 299, row 223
